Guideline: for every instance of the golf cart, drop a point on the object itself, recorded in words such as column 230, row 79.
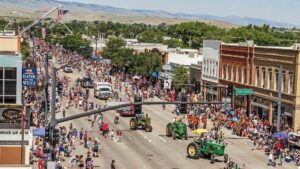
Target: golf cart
column 142, row 122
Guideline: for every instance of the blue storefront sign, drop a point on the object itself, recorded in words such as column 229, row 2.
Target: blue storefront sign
column 29, row 76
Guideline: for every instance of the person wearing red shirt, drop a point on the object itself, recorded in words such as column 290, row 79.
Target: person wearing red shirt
column 40, row 163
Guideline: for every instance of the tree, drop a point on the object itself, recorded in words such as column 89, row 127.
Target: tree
column 146, row 63
column 151, row 36
column 181, row 76
column 76, row 43
column 24, row 50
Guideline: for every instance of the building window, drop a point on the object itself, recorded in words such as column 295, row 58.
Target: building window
column 270, row 78
column 244, row 75
column 276, row 80
column 207, row 67
column 8, row 85
column 257, row 76
column 223, row 71
column 232, row 73
column 237, row 74
column 291, row 83
column 283, row 81
column 263, row 78
column 213, row 68
column 227, row 72
column 216, row 69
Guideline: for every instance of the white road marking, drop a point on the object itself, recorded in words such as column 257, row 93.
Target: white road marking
column 241, row 141
column 130, row 138
column 162, row 139
column 227, row 142
column 145, row 137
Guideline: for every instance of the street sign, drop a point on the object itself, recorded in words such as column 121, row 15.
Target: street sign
column 29, row 76
column 167, row 84
column 239, row 92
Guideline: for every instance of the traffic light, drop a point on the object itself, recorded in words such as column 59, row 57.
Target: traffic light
column 183, row 107
column 229, row 89
column 47, row 134
column 48, row 105
column 43, row 105
column 197, row 87
column 55, row 136
column 282, row 111
column 60, row 87
column 137, row 108
column 275, row 108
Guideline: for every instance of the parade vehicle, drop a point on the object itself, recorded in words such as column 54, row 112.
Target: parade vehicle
column 126, row 111
column 86, row 82
column 206, row 148
column 102, row 90
column 68, row 69
column 177, row 129
column 123, row 111
column 141, row 122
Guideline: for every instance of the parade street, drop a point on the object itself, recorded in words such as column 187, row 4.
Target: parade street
column 140, row 149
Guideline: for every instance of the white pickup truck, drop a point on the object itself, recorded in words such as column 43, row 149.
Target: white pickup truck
column 102, row 90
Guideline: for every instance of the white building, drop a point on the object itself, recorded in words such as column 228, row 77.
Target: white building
column 185, row 57
column 210, row 68
column 211, row 59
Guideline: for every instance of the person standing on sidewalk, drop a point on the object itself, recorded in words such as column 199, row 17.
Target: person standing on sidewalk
column 85, row 139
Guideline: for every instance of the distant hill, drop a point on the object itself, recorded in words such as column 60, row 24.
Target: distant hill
column 90, row 12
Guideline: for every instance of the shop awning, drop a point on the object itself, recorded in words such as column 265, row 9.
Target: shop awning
column 39, row 132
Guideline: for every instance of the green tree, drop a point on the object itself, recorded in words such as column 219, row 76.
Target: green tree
column 76, row 43
column 146, row 63
column 181, row 76
column 24, row 50
column 151, row 36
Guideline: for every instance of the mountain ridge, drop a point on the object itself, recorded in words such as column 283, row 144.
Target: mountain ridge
column 78, row 9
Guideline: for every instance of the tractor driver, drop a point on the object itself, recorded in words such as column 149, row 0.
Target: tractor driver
column 202, row 139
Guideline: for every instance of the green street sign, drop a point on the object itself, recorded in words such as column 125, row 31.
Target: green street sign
column 239, row 92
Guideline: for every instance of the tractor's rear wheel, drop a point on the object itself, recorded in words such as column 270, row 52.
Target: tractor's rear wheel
column 174, row 135
column 212, row 158
column 193, row 151
column 169, row 130
column 133, row 124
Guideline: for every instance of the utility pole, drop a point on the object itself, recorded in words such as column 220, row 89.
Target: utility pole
column 279, row 99
column 53, row 95
column 46, row 91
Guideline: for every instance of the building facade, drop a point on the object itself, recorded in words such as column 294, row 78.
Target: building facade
column 265, row 75
column 235, row 68
column 11, row 107
column 210, row 70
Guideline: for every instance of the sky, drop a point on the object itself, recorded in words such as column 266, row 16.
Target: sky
column 286, row 11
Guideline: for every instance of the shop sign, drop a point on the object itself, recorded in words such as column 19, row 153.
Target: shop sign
column 14, row 134
column 29, row 76
column 12, row 114
column 243, row 91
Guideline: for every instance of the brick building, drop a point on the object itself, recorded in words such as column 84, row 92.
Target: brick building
column 235, row 67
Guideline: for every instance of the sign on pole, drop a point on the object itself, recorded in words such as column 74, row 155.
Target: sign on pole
column 243, row 91
column 167, row 84
column 29, row 76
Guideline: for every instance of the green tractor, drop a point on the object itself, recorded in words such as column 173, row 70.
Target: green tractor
column 177, row 130
column 206, row 148
column 143, row 122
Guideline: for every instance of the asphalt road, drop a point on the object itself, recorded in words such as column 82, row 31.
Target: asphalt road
column 141, row 150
